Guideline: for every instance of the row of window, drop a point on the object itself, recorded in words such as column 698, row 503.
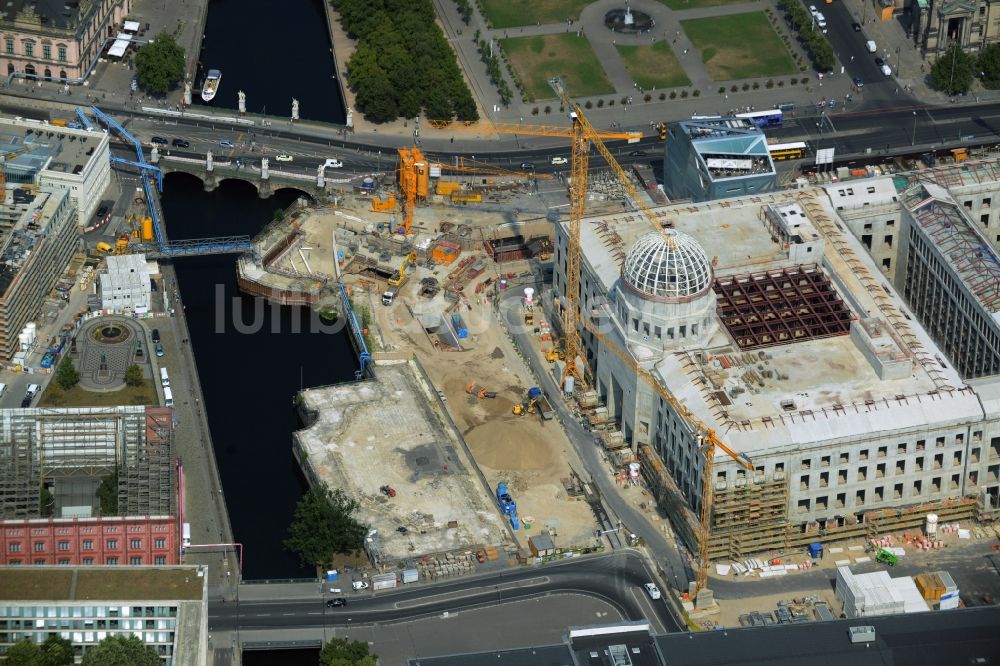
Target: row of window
column 29, row 49
column 878, row 495
column 135, row 560
column 88, row 544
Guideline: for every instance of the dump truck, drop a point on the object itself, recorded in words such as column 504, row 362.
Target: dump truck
column 507, row 505
column 541, row 403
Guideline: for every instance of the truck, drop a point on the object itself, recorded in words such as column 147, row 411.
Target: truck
column 507, row 505
column 389, row 295
column 542, row 403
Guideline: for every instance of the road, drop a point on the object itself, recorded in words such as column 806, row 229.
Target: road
column 665, row 553
column 616, row 578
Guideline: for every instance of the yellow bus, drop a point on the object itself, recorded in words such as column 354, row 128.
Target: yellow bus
column 788, row 151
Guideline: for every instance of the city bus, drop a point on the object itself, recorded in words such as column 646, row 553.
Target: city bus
column 768, row 118
column 787, row 151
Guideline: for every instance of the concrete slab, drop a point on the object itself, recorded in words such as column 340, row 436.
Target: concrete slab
column 389, row 431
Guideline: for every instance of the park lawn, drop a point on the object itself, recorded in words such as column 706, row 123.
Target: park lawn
column 739, row 46
column 654, row 66
column 695, row 4
column 513, row 13
column 537, row 59
column 55, row 396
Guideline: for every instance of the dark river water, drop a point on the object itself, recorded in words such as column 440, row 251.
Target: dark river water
column 272, row 51
column 249, row 374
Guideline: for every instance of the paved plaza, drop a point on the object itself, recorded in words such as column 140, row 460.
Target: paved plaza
column 105, row 347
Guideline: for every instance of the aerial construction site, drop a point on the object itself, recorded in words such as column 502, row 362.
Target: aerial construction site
column 750, row 370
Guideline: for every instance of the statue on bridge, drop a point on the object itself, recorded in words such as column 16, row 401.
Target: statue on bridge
column 187, row 93
column 243, row 102
column 295, row 109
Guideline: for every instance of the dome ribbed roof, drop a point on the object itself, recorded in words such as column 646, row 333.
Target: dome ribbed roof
column 662, row 271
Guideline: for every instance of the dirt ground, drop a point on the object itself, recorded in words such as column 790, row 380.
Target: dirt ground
column 527, row 453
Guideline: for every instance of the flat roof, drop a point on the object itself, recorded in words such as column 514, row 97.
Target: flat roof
column 835, row 390
column 961, row 636
column 95, row 583
column 37, row 145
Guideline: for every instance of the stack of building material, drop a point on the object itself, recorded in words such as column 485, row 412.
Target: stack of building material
column 931, row 586
column 913, row 601
column 867, row 594
column 949, row 599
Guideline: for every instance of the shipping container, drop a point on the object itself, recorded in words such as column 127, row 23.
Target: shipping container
column 384, row 581
column 410, row 575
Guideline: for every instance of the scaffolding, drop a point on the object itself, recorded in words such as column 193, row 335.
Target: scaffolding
column 781, row 306
column 38, row 446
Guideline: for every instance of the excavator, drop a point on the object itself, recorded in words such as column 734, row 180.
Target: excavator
column 399, row 277
column 557, row 352
column 523, row 408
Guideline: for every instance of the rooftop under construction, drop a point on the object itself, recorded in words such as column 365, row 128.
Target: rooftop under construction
column 69, row 450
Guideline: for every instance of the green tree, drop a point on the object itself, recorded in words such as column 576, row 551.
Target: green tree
column 133, row 375
column 66, row 375
column 324, row 524
column 340, row 652
column 161, row 64
column 952, row 71
column 57, row 651
column 989, row 64
column 121, row 651
column 107, row 493
column 25, row 653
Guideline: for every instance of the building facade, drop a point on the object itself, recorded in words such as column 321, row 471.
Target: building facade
column 55, row 40
column 937, row 24
column 126, row 286
column 716, row 158
column 112, row 540
column 34, row 254
column 811, row 369
column 165, row 607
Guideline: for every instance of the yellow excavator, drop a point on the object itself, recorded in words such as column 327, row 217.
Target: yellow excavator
column 399, row 277
column 523, row 408
column 557, row 351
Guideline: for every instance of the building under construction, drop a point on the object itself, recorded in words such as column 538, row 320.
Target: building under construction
column 68, row 451
column 773, row 326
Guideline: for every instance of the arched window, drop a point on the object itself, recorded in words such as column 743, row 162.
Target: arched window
column 62, row 74
column 29, row 69
column 10, row 68
column 48, row 74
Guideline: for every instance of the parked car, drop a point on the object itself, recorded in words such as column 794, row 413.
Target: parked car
column 527, row 166
column 886, row 70
column 879, row 62
column 338, row 601
column 283, row 158
column 180, row 143
column 652, row 591
column 158, row 141
column 859, row 82
column 159, row 349
column 26, row 402
column 559, row 161
column 155, row 335
column 360, row 585
column 856, row 27
column 226, row 143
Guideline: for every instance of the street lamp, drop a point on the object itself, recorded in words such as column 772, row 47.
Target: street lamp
column 913, row 136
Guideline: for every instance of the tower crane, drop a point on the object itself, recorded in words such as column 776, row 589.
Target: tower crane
column 709, row 441
column 579, row 134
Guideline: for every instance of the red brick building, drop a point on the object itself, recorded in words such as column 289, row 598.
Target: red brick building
column 151, row 540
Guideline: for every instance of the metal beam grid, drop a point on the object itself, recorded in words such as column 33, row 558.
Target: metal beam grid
column 975, row 261
column 781, row 306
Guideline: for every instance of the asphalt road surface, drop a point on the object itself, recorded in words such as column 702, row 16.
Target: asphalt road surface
column 616, row 578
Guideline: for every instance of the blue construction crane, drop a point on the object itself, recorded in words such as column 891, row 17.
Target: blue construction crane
column 84, row 120
column 142, row 167
column 364, row 356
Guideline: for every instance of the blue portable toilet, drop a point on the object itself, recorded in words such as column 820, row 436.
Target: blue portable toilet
column 816, row 550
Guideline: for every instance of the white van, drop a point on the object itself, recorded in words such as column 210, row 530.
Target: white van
column 168, row 397
column 164, row 378
column 886, row 70
column 870, row 45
